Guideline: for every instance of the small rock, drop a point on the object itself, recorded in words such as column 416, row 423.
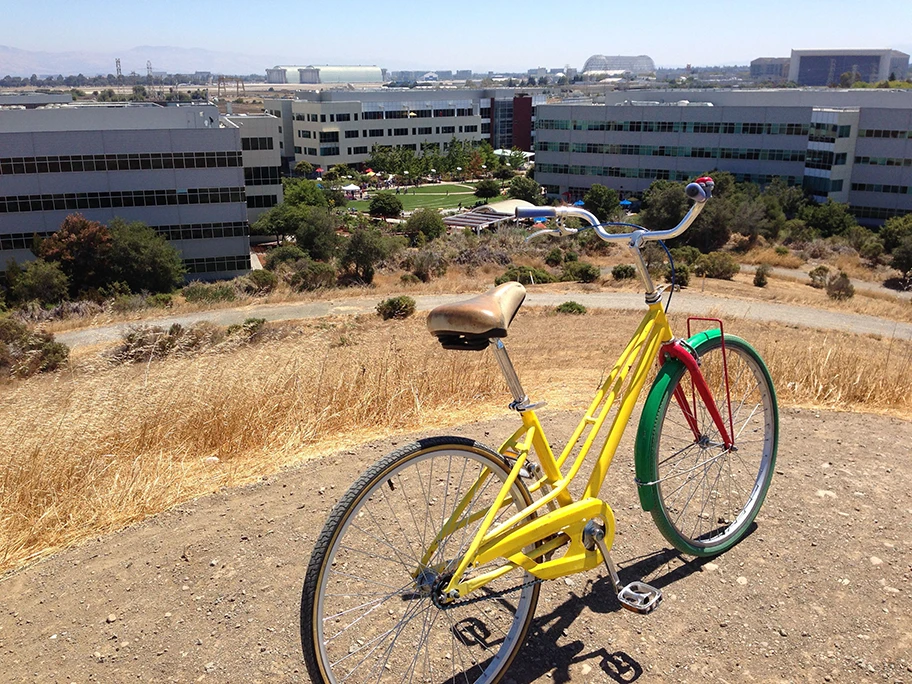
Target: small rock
column 111, row 618
column 710, row 567
column 209, row 667
column 211, row 459
column 586, row 669
column 875, row 560
column 826, row 493
column 782, row 632
column 742, row 580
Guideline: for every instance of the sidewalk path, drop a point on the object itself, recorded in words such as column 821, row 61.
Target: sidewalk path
column 685, row 302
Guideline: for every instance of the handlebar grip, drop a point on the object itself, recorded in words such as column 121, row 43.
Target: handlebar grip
column 695, row 192
column 535, row 212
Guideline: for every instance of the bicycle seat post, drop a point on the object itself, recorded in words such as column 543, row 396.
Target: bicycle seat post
column 652, row 295
column 520, row 398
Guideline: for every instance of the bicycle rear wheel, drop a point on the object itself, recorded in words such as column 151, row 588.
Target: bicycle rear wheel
column 703, row 497
column 367, row 607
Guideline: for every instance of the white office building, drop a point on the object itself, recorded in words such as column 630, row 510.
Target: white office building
column 261, row 153
column 174, row 168
column 852, row 146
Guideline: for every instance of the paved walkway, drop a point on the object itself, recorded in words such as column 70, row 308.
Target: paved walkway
column 686, row 302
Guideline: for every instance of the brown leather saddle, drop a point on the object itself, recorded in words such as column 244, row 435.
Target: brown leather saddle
column 473, row 323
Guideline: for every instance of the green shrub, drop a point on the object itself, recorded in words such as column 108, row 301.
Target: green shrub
column 839, row 287
column 41, row 281
column 571, row 256
column 681, row 274
column 819, row 276
column 571, row 308
column 25, row 352
column 527, row 275
column 249, row 329
column 623, row 272
column 719, row 265
column 161, row 300
column 305, row 274
column 399, row 307
column 282, row 255
column 781, row 250
column 581, row 271
column 761, row 275
column 555, row 257
column 409, row 279
column 209, row 292
column 262, row 281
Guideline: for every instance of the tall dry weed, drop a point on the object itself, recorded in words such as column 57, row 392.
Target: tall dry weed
column 100, row 446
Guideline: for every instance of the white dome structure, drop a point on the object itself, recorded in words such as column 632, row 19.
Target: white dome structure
column 599, row 64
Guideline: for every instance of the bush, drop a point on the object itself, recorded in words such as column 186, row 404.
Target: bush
column 42, row 281
column 305, row 274
column 685, row 255
column 623, row 272
column 719, row 265
column 427, row 264
column 527, row 275
column 555, row 257
column 409, row 279
column 364, row 250
column 24, row 352
column 819, row 276
column 781, row 250
column 399, row 307
column 681, row 275
column 424, row 225
column 261, row 282
column 761, row 275
column 581, row 271
column 209, row 292
column 282, row 255
column 571, row 308
column 385, row 205
column 839, row 287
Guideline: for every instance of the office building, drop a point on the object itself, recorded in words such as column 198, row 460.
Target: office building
column 173, row 168
column 852, row 146
column 825, row 67
column 598, row 66
column 262, row 147
column 333, row 127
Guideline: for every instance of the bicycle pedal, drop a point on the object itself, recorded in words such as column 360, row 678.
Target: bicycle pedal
column 640, row 597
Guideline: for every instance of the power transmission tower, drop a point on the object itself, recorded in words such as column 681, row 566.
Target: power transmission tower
column 119, row 72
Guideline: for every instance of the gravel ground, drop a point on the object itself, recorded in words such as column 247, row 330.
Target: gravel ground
column 821, row 590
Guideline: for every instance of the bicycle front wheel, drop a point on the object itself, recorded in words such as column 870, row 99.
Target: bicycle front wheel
column 368, row 611
column 703, row 497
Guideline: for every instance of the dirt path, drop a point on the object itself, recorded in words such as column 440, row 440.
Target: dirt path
column 820, row 591
column 688, row 302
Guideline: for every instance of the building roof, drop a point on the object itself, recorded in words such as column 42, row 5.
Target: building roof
column 639, row 64
column 334, row 74
column 486, row 216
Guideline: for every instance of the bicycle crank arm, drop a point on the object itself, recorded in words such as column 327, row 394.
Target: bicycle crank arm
column 637, row 597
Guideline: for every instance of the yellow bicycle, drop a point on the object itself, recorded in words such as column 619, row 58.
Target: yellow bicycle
column 429, row 567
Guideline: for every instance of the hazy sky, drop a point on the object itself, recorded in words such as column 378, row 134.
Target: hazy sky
column 468, row 34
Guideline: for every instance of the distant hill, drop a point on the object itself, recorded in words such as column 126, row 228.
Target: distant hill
column 175, row 60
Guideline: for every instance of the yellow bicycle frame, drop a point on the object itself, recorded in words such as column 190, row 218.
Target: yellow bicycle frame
column 529, row 538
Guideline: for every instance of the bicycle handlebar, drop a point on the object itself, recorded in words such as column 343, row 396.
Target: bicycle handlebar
column 699, row 191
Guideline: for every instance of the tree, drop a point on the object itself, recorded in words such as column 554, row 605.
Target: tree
column 791, row 198
column 487, row 189
column 304, row 168
column 424, row 225
column 316, row 232
column 664, row 205
column 895, row 230
column 504, row 173
column 299, row 191
column 712, row 229
column 602, row 201
column 525, row 189
column 902, row 257
column 81, row 248
column 279, row 221
column 385, row 205
column 143, row 259
column 831, row 218
column 364, row 249
column 42, row 281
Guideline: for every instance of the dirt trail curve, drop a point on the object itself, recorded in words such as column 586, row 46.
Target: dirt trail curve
column 683, row 302
column 820, row 591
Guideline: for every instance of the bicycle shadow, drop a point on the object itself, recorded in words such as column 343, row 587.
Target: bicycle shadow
column 542, row 654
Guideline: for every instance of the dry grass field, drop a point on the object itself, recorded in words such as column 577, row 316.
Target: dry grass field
column 99, row 446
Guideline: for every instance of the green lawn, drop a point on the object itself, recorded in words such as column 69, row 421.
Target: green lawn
column 411, row 202
column 441, row 189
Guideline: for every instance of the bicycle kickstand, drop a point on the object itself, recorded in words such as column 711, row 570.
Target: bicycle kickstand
column 638, row 597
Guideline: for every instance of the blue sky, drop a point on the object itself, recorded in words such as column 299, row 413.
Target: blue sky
column 470, row 34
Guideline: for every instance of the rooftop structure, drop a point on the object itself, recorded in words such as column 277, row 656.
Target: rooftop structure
column 597, row 64
column 325, row 74
column 825, row 67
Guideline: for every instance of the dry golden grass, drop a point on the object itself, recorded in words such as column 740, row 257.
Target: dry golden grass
column 98, row 447
column 768, row 255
